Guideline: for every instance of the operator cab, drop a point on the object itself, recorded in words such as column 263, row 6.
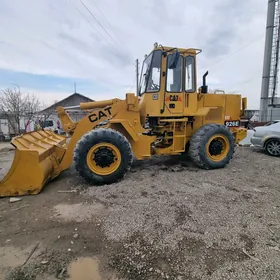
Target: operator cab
column 168, row 78
column 151, row 72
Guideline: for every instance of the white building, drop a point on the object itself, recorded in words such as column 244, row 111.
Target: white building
column 49, row 118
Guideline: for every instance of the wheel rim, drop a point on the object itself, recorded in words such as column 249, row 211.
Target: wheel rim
column 217, row 147
column 273, row 147
column 103, row 158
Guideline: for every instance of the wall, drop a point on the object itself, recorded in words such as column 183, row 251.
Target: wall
column 73, row 100
column 271, row 114
column 4, row 127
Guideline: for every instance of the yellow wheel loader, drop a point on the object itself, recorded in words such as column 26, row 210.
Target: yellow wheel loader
column 169, row 115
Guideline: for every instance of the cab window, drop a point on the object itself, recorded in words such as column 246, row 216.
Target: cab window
column 174, row 77
column 189, row 78
column 153, row 81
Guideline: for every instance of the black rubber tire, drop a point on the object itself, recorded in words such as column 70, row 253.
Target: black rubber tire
column 266, row 149
column 197, row 150
column 94, row 137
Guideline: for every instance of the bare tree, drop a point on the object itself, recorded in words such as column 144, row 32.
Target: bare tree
column 16, row 106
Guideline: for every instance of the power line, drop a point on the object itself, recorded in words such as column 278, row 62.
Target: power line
column 102, row 14
column 100, row 34
column 236, row 86
column 99, row 10
column 120, row 46
column 99, row 23
column 238, row 50
column 109, row 24
column 85, row 18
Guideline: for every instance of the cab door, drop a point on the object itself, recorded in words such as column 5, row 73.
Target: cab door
column 174, row 95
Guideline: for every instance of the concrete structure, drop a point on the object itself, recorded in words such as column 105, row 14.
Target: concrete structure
column 269, row 101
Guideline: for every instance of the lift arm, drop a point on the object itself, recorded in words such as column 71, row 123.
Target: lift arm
column 69, row 126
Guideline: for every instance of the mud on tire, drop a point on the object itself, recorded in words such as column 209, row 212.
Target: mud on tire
column 95, row 137
column 199, row 150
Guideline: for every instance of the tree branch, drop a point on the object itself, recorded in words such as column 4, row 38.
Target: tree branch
column 17, row 106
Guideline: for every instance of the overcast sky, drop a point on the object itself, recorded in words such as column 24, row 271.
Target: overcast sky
column 47, row 45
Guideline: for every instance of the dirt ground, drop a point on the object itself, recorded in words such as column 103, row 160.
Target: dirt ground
column 166, row 219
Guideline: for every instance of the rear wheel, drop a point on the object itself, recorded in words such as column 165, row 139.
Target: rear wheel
column 103, row 156
column 212, row 146
column 272, row 147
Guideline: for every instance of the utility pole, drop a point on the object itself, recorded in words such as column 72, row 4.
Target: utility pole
column 137, row 76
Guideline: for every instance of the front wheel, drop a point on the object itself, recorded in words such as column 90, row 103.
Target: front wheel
column 103, row 156
column 212, row 146
column 272, row 147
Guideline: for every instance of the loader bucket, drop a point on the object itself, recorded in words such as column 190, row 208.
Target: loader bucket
column 36, row 162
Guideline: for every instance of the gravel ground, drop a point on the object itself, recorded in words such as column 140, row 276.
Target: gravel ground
column 166, row 219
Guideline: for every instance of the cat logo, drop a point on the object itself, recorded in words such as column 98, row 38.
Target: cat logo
column 100, row 114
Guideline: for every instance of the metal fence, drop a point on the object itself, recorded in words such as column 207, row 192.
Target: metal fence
column 271, row 114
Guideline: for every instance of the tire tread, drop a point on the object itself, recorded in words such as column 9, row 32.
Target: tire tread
column 197, row 145
column 96, row 136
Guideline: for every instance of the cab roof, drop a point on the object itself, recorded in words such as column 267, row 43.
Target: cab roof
column 193, row 51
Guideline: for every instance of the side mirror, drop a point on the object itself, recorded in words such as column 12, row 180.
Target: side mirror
column 174, row 60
